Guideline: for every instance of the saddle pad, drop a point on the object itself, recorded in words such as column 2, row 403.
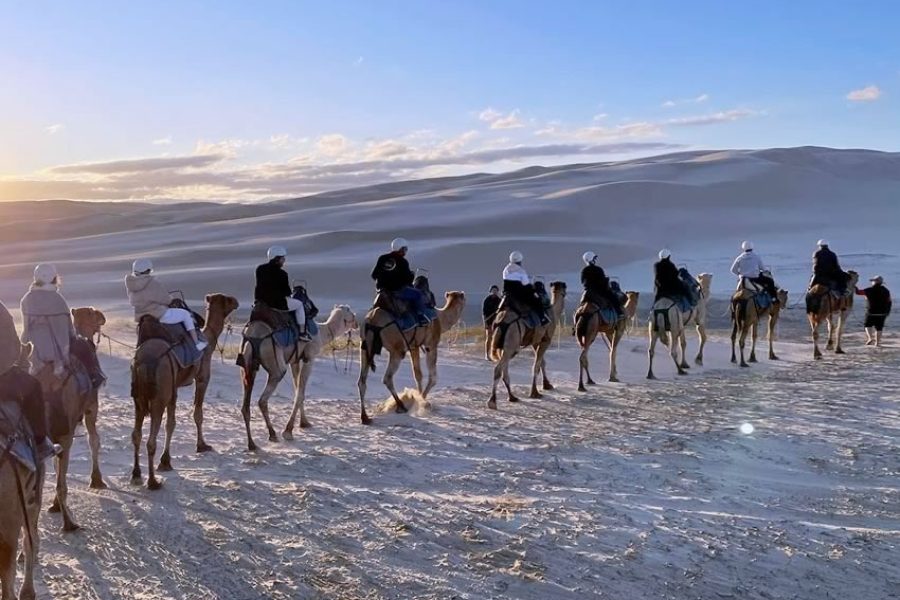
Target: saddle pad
column 16, row 436
column 186, row 353
column 763, row 301
column 285, row 337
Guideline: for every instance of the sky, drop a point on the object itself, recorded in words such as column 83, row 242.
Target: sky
column 250, row 101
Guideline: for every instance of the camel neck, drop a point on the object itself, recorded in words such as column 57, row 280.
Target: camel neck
column 215, row 323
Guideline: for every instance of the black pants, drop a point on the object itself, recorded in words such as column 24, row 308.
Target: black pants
column 18, row 386
column 767, row 283
column 612, row 299
column 876, row 321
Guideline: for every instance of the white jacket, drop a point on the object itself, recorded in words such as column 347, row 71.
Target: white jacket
column 748, row 264
column 514, row 272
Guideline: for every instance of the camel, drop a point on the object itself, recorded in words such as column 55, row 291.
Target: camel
column 21, row 494
column 275, row 360
column 745, row 317
column 511, row 334
column 828, row 306
column 631, row 308
column 668, row 325
column 155, row 379
column 380, row 330
column 77, row 407
column 589, row 324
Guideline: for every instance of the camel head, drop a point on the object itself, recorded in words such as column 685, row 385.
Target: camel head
column 341, row 313
column 88, row 321
column 783, row 297
column 631, row 301
column 705, row 281
column 854, row 279
column 221, row 304
column 454, row 299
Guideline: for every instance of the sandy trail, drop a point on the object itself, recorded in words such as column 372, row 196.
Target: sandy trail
column 632, row 490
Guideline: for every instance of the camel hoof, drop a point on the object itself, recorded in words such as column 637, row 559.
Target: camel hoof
column 682, row 372
column 548, row 387
column 400, row 408
column 840, row 351
column 54, row 508
column 591, row 382
column 287, row 435
column 365, row 420
column 698, row 362
column 535, row 395
column 817, row 356
column 614, row 380
column 734, row 360
column 745, row 365
column 581, row 388
column 137, row 478
column 304, row 424
column 684, row 365
column 753, row 359
column 514, row 399
column 204, row 447
column 492, row 404
column 30, row 595
column 154, row 484
column 273, row 437
column 651, row 376
column 97, row 483
column 773, row 357
column 164, row 466
column 251, row 446
column 70, row 527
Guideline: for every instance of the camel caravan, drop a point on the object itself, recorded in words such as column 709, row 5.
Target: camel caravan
column 51, row 375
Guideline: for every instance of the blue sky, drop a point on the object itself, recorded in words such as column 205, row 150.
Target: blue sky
column 241, row 101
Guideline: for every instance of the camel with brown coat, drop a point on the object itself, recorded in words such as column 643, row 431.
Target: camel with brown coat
column 511, row 334
column 155, row 379
column 589, row 323
column 381, row 330
column 745, row 318
column 828, row 306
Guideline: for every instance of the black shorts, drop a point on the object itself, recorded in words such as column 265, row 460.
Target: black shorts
column 876, row 321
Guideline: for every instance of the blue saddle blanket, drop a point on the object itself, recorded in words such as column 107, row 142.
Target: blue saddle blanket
column 186, row 353
column 287, row 336
column 408, row 320
column 16, row 436
column 763, row 300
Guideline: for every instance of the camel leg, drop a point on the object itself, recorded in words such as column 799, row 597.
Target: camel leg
column 272, row 382
column 415, row 358
column 8, row 567
column 734, row 335
column 651, row 350
column 701, row 332
column 682, row 342
column 506, row 382
column 301, row 372
column 546, row 383
column 136, row 442
column 614, row 340
column 842, row 318
column 487, row 345
column 156, row 415
column 431, row 366
column 830, row 322
column 498, row 375
column 388, row 380
column 677, row 341
column 200, row 385
column 27, row 592
column 754, row 334
column 770, row 336
column 249, row 377
column 743, row 343
column 90, row 424
column 582, row 368
column 814, row 325
column 62, row 486
column 535, row 371
column 165, row 461
column 361, row 385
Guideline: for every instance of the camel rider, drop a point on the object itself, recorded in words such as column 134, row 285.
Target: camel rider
column 393, row 275
column 23, row 389
column 517, row 285
column 596, row 284
column 748, row 265
column 667, row 282
column 48, row 326
column 827, row 270
column 149, row 298
column 273, row 288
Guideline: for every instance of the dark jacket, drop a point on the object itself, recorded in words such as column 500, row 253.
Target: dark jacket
column 879, row 300
column 825, row 266
column 272, row 285
column 594, row 279
column 392, row 272
column 489, row 308
column 666, row 281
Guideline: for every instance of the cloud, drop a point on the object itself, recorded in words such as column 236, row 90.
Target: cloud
column 332, row 144
column 358, row 61
column 668, row 104
column 165, row 141
column 866, row 94
column 140, row 165
column 695, row 100
column 713, row 118
column 55, row 128
column 639, row 129
column 498, row 120
column 701, row 98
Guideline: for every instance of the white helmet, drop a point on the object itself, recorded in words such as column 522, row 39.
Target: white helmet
column 747, row 245
column 45, row 273
column 516, row 257
column 399, row 244
column 142, row 265
column 821, row 243
column 589, row 258
column 664, row 254
column 275, row 252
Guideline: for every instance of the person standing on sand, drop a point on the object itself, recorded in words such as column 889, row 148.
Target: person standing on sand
column 878, row 307
column 488, row 312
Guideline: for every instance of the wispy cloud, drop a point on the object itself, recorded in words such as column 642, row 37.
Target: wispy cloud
column 163, row 141
column 54, row 129
column 358, row 62
column 140, row 165
column 499, row 120
column 866, row 94
column 695, row 100
column 725, row 116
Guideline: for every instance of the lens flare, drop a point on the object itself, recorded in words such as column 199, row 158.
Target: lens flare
column 746, row 428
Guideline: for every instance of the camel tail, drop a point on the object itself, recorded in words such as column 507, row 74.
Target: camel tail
column 581, row 327
column 143, row 381
column 367, row 345
column 661, row 325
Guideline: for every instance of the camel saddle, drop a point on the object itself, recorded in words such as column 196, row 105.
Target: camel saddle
column 16, row 437
column 278, row 320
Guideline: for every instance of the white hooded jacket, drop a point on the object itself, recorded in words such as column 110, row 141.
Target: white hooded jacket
column 515, row 272
column 748, row 264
